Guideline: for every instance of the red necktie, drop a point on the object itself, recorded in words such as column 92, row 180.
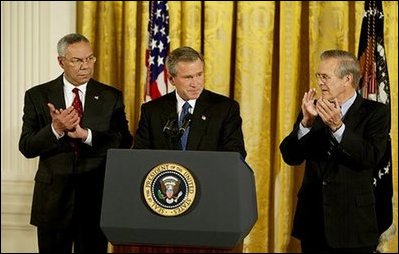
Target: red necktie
column 77, row 103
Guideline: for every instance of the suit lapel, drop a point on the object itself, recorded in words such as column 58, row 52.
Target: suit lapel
column 352, row 118
column 355, row 113
column 168, row 112
column 93, row 101
column 170, row 107
column 199, row 122
column 56, row 94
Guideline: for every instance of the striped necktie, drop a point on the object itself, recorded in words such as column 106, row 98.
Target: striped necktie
column 184, row 137
column 332, row 142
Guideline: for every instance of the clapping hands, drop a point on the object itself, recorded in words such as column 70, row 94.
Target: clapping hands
column 67, row 121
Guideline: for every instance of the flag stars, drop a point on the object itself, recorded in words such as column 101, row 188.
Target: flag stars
column 163, row 31
column 386, row 169
column 151, row 60
column 156, row 30
column 160, row 46
column 380, row 174
column 153, row 44
column 158, row 13
column 160, row 61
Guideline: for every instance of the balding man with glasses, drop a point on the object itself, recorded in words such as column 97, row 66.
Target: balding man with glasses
column 342, row 138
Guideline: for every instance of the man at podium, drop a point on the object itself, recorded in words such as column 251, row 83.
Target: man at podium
column 191, row 117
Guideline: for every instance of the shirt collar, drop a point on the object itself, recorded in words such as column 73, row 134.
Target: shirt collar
column 69, row 86
column 347, row 104
column 180, row 103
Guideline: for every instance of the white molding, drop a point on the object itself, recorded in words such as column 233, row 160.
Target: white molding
column 30, row 31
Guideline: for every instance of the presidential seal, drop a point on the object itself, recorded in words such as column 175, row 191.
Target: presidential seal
column 169, row 189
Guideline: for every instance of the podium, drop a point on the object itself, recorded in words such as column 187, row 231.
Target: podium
column 177, row 201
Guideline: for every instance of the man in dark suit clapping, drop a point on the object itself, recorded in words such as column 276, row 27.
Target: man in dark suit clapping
column 72, row 143
column 342, row 137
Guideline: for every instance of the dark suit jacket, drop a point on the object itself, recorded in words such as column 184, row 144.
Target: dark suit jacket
column 337, row 191
column 216, row 124
column 56, row 189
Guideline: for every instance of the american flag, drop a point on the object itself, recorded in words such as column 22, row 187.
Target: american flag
column 374, row 85
column 157, row 50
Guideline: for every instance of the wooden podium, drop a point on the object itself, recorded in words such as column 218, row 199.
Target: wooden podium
column 212, row 209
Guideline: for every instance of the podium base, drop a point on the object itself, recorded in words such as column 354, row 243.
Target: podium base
column 170, row 249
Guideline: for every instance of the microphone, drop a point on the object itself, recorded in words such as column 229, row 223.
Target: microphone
column 170, row 126
column 185, row 124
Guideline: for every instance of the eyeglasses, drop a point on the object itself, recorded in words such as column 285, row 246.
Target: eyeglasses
column 323, row 77
column 79, row 61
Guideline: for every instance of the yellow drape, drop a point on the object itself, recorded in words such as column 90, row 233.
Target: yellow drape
column 263, row 54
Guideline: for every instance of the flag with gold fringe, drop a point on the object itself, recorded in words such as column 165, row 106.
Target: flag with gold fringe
column 374, row 85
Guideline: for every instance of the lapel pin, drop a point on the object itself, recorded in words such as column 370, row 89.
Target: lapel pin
column 203, row 117
column 96, row 97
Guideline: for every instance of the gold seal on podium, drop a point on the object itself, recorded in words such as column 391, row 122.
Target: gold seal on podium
column 169, row 189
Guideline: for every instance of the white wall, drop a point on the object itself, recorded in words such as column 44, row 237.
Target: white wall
column 30, row 31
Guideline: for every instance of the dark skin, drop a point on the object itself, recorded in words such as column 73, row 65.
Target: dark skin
column 67, row 120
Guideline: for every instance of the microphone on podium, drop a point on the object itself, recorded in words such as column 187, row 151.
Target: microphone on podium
column 185, row 124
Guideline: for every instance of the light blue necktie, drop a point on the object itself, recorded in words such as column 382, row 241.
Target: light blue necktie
column 184, row 113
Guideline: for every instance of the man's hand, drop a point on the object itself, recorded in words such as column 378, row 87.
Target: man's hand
column 330, row 113
column 78, row 132
column 308, row 108
column 63, row 120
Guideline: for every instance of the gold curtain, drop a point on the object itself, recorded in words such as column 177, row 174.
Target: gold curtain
column 263, row 54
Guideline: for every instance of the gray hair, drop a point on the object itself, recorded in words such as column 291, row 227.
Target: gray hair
column 67, row 40
column 348, row 64
column 182, row 54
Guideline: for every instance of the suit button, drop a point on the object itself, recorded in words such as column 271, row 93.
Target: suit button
column 324, row 183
